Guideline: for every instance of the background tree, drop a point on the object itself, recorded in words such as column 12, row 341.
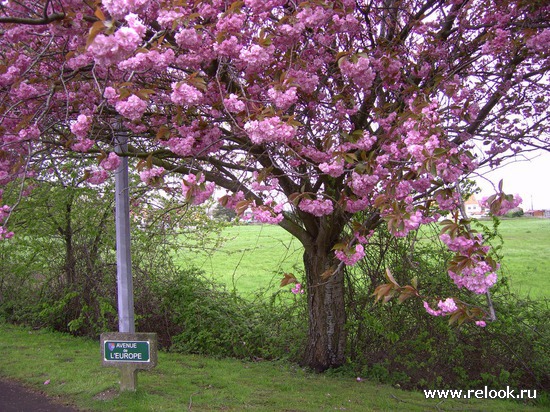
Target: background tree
column 306, row 113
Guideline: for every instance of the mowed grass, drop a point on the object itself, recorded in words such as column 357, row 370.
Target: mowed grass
column 73, row 372
column 251, row 258
column 526, row 255
column 254, row 257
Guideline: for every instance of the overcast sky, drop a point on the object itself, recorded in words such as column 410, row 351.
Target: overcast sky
column 530, row 179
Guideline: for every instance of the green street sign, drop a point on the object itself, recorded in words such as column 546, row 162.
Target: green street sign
column 126, row 351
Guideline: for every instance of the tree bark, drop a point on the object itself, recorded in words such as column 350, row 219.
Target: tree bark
column 326, row 341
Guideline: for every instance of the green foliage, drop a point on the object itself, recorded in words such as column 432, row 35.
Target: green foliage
column 401, row 344
column 200, row 317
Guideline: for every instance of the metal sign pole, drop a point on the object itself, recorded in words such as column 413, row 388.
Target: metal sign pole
column 126, row 323
column 124, row 262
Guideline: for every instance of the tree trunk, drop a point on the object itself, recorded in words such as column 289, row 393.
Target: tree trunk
column 327, row 313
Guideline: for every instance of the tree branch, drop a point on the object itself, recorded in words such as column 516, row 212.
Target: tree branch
column 33, row 22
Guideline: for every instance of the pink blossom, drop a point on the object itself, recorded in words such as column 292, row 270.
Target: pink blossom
column 119, row 8
column 152, row 176
column 111, row 162
column 259, row 6
column 270, row 129
column 167, row 17
column 233, row 104
column 229, row 47
column 195, row 190
column 541, row 42
column 283, row 100
column 82, row 145
column 133, row 108
column 350, row 257
column 316, row 207
column 481, row 323
column 5, row 234
column 478, row 279
column 359, row 73
column 97, row 176
column 334, row 169
column 266, row 215
column 503, row 203
column 185, row 94
column 189, row 39
column 81, row 126
column 256, row 57
column 446, row 307
column 297, row 289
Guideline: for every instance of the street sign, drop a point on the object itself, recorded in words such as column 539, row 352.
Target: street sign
column 126, row 351
column 129, row 350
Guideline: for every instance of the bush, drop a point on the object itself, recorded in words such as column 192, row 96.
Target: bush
column 401, row 344
column 194, row 315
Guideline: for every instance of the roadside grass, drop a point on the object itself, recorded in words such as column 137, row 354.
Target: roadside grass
column 254, row 257
column 74, row 373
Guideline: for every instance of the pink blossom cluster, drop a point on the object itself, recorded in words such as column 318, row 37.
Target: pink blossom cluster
column 359, row 73
column 297, row 289
column 4, row 213
column 195, row 140
column 232, row 200
column 111, row 162
column 350, row 256
column 81, row 126
column 189, row 39
column 148, row 60
column 152, row 176
column 107, row 50
column 283, row 100
column 540, row 42
column 119, row 8
column 167, row 17
column 195, row 190
column 256, row 57
column 133, row 108
column 313, row 17
column 334, row 168
column 97, row 176
column 184, row 94
column 229, row 47
column 233, row 104
column 269, row 130
column 316, row 207
column 446, row 307
column 478, row 279
column 478, row 276
column 266, row 214
column 5, row 233
column 363, row 184
column 259, row 6
column 460, row 244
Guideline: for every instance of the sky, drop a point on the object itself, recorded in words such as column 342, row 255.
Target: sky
column 528, row 178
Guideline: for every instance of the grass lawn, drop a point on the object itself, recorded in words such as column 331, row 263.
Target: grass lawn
column 526, row 255
column 72, row 366
column 254, row 257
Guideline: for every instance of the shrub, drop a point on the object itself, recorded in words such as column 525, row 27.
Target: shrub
column 401, row 344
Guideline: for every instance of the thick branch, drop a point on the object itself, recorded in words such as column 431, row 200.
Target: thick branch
column 33, row 22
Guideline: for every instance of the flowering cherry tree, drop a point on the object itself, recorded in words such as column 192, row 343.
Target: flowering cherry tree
column 327, row 118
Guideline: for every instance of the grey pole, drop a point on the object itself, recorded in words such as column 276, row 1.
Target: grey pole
column 122, row 220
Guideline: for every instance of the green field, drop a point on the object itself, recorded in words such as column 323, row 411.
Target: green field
column 526, row 255
column 253, row 257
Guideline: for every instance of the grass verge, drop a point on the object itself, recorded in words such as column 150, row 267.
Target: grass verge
column 179, row 383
